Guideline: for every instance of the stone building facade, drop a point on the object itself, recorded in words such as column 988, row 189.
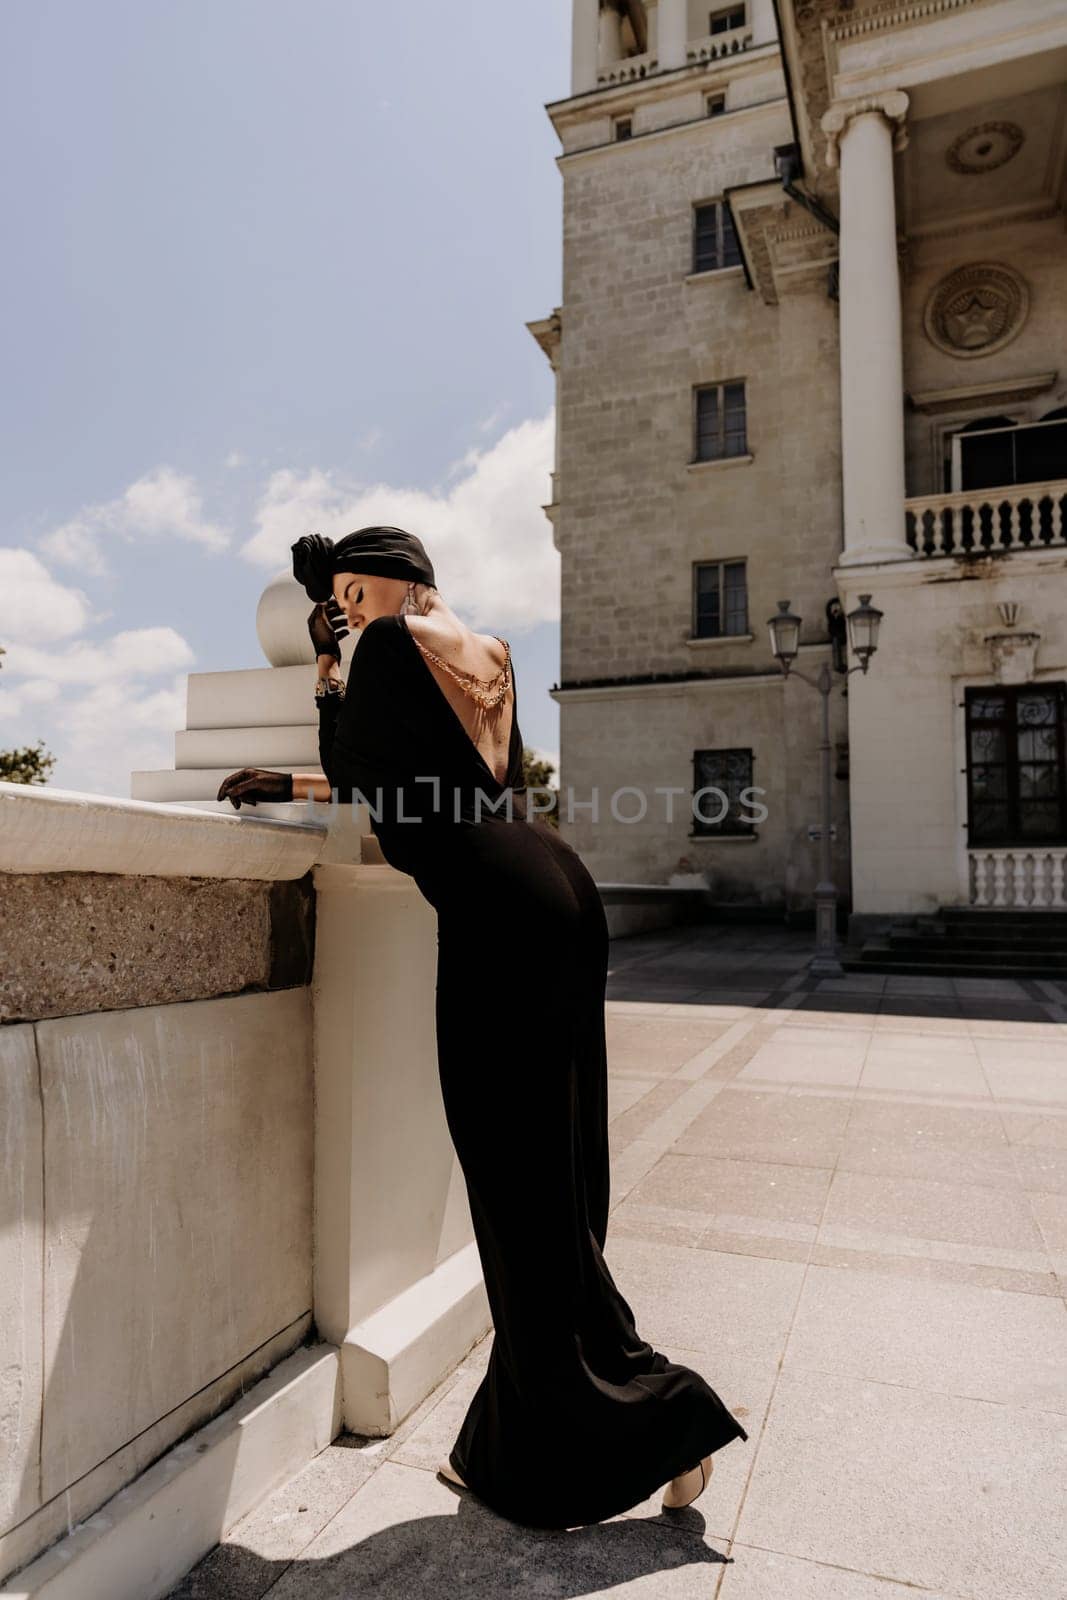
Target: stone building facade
column 812, row 346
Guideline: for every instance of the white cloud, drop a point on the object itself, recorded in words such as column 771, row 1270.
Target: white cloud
column 115, row 729
column 495, row 417
column 95, row 703
column 486, row 534
column 32, row 604
column 131, row 653
column 162, row 504
column 75, row 544
column 109, row 705
column 39, row 692
column 235, row 459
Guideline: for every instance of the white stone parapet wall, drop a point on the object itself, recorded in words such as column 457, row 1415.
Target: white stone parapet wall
column 156, row 1186
column 206, row 1163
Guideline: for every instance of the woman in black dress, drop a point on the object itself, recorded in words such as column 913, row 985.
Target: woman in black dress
column 577, row 1418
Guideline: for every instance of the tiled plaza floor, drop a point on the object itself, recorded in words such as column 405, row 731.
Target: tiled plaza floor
column 844, row 1201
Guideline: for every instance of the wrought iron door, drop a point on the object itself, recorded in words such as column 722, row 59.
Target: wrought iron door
column 1016, row 777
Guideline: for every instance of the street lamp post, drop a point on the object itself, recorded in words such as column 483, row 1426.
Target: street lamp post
column 785, row 643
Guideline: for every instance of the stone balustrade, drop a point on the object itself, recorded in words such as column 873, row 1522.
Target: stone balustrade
column 714, row 47
column 629, row 69
column 979, row 521
column 717, row 46
column 1018, row 877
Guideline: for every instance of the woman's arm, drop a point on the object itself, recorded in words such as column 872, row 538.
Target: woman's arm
column 310, row 785
column 358, row 728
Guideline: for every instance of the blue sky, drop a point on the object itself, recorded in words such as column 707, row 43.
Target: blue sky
column 268, row 267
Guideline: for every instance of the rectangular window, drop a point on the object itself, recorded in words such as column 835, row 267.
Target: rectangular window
column 720, row 599
column 720, row 421
column 997, row 452
column 715, row 105
column 623, row 127
column 1016, row 764
column 715, row 243
column 728, row 773
column 727, row 19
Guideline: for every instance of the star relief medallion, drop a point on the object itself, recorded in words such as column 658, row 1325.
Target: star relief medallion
column 977, row 309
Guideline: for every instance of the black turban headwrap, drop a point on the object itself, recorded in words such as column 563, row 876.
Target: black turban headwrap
column 380, row 551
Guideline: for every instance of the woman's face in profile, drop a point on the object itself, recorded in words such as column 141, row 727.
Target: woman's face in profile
column 362, row 598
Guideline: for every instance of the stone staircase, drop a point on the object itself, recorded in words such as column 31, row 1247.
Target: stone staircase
column 968, row 941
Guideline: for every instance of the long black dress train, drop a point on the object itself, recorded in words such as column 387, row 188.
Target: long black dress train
column 576, row 1418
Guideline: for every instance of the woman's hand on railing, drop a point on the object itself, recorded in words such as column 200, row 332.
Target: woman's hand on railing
column 253, row 784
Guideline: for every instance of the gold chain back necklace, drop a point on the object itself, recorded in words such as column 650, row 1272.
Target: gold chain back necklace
column 488, row 692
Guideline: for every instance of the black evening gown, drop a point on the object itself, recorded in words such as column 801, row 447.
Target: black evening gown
column 577, row 1418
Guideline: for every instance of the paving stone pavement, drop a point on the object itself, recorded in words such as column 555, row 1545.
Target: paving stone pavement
column 844, row 1202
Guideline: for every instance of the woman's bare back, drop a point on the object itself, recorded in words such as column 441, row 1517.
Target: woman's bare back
column 482, row 655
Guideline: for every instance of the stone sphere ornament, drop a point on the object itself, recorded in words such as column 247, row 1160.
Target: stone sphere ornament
column 282, row 625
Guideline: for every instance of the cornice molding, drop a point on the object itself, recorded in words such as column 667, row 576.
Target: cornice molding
column 894, row 15
column 548, row 332
column 955, row 227
column 801, row 231
column 813, row 33
column 670, row 686
column 616, row 146
column 998, row 391
column 606, row 97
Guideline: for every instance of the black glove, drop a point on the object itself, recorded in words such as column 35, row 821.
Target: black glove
column 254, row 784
column 327, row 628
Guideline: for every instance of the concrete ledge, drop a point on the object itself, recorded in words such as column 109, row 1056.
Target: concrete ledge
column 138, row 1545
column 36, row 1534
column 641, row 907
column 397, row 1356
column 60, row 830
column 631, row 908
column 615, row 894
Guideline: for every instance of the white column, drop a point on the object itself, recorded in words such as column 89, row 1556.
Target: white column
column 585, row 44
column 862, row 134
column 673, row 36
column 761, row 21
column 610, row 36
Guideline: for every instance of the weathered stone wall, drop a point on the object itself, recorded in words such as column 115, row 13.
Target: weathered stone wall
column 639, row 331
column 75, row 942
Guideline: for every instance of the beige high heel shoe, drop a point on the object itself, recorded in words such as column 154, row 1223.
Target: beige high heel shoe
column 446, row 1470
column 681, row 1490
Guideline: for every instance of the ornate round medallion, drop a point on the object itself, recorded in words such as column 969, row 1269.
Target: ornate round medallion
column 985, row 148
column 977, row 309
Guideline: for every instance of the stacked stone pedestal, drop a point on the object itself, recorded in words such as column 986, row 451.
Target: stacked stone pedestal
column 254, row 717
